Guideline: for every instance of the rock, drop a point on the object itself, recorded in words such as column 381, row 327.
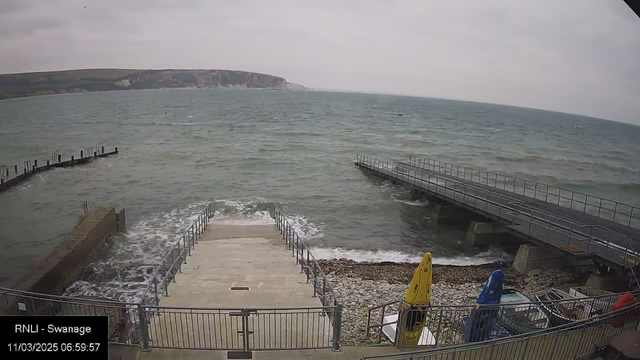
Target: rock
column 534, row 272
column 360, row 286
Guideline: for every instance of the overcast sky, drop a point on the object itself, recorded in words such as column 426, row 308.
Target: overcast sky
column 579, row 56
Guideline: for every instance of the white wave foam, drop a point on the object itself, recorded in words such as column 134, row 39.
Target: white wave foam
column 180, row 123
column 490, row 256
column 306, row 228
column 413, row 203
column 133, row 257
column 247, row 211
column 257, row 218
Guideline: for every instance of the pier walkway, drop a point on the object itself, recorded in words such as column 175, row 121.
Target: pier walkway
column 584, row 226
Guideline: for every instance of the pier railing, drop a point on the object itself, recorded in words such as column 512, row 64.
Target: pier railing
column 322, row 287
column 561, row 232
column 612, row 210
column 173, row 260
column 452, row 324
column 567, row 342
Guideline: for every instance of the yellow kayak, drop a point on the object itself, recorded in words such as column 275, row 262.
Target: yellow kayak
column 418, row 297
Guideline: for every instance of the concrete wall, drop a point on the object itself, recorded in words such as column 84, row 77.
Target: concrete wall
column 531, row 257
column 66, row 262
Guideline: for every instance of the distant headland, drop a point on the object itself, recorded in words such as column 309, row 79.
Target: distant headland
column 87, row 80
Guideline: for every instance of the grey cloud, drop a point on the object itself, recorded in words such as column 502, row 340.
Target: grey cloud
column 575, row 56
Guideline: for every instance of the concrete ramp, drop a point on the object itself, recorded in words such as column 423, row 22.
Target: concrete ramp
column 241, row 285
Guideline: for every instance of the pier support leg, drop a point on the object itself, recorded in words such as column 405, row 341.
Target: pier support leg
column 609, row 282
column 450, row 214
column 488, row 233
column 531, row 257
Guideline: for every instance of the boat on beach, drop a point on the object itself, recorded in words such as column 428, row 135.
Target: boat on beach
column 523, row 316
column 482, row 323
column 597, row 301
column 560, row 306
column 578, row 304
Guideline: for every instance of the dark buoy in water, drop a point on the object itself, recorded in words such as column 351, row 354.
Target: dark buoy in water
column 400, row 115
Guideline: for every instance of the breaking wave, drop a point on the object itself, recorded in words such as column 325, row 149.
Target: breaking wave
column 492, row 255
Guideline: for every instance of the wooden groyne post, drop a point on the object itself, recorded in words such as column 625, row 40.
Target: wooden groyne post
column 8, row 180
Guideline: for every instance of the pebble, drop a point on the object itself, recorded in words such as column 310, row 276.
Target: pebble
column 357, row 295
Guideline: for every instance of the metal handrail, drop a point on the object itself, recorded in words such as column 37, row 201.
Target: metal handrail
column 189, row 239
column 573, row 226
column 570, row 226
column 371, row 309
column 454, row 170
column 582, row 324
column 532, row 210
column 379, row 165
column 298, row 247
column 67, row 299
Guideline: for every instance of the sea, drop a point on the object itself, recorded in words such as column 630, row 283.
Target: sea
column 243, row 150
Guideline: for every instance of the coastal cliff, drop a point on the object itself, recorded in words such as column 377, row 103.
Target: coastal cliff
column 87, row 80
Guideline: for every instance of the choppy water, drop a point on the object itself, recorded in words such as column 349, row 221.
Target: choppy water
column 245, row 149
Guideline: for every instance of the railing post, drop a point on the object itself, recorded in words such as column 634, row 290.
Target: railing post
column 337, row 327
column 164, row 280
column 297, row 252
column 438, row 331
column 400, row 324
column 173, row 262
column 155, row 285
column 144, row 328
column 307, row 265
column 315, row 278
column 184, row 246
column 324, row 289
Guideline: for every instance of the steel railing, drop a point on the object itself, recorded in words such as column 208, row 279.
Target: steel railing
column 630, row 258
column 243, row 329
column 451, row 324
column 559, row 231
column 149, row 325
column 567, row 342
column 124, row 323
column 322, row 287
column 173, row 260
column 612, row 210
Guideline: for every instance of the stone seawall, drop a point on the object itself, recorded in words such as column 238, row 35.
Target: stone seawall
column 66, row 262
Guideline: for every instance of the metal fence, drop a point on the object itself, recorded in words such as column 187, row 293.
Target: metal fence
column 448, row 325
column 594, row 205
column 146, row 326
column 561, row 232
column 173, row 260
column 567, row 342
column 243, row 329
column 124, row 323
column 322, row 287
column 149, row 325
